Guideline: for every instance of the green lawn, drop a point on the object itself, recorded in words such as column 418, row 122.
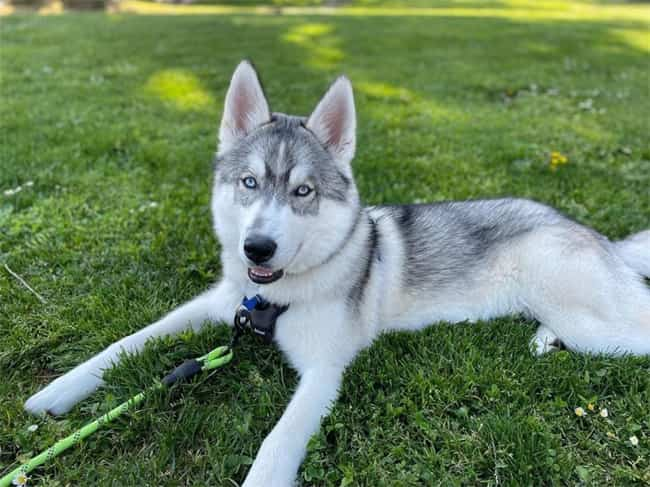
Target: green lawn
column 108, row 123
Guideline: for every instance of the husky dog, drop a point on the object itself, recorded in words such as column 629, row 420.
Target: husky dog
column 292, row 229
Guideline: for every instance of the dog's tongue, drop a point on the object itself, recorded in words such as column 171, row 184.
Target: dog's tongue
column 261, row 271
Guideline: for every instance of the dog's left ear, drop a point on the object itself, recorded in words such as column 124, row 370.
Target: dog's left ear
column 245, row 108
column 334, row 121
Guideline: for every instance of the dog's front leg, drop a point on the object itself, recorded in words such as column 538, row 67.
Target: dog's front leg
column 217, row 304
column 284, row 448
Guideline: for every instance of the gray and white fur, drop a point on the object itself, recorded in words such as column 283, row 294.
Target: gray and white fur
column 291, row 226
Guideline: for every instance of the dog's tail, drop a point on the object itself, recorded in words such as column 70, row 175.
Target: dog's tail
column 635, row 251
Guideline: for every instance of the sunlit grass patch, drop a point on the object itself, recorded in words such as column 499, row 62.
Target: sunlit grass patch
column 180, row 88
column 637, row 38
column 516, row 9
column 384, row 91
column 320, row 43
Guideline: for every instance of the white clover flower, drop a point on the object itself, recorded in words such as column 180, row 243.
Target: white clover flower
column 604, row 413
column 32, row 428
column 634, row 440
column 20, row 480
column 579, row 411
column 13, row 191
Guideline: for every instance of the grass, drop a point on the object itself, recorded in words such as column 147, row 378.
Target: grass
column 108, row 125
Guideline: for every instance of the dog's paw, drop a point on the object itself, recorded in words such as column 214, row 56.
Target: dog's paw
column 275, row 465
column 540, row 347
column 544, row 341
column 62, row 394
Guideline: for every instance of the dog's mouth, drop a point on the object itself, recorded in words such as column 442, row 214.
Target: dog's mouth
column 262, row 275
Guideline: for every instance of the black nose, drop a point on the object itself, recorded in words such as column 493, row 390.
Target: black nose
column 259, row 249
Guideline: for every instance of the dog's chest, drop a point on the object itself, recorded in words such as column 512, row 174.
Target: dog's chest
column 318, row 333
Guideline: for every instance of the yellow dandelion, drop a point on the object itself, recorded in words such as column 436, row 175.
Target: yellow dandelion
column 557, row 159
column 634, row 440
column 604, row 413
column 591, row 406
column 579, row 411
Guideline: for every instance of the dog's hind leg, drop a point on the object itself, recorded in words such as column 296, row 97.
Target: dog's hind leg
column 584, row 331
column 66, row 391
column 583, row 292
column 635, row 251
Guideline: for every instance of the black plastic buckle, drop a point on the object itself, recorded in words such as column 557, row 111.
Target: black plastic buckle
column 259, row 316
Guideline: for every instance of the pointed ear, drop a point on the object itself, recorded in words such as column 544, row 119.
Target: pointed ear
column 334, row 121
column 245, row 107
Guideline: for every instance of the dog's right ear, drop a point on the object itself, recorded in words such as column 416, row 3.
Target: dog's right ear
column 245, row 108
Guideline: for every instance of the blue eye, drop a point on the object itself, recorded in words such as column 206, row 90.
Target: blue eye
column 303, row 190
column 250, row 182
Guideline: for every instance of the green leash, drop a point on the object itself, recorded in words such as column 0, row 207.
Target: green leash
column 215, row 359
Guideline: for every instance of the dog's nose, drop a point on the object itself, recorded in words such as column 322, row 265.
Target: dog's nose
column 259, row 249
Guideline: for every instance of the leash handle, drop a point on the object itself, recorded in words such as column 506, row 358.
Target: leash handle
column 76, row 437
column 216, row 358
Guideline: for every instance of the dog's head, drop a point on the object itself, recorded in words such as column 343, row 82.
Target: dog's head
column 284, row 197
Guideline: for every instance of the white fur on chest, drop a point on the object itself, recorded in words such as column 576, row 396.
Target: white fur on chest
column 320, row 333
